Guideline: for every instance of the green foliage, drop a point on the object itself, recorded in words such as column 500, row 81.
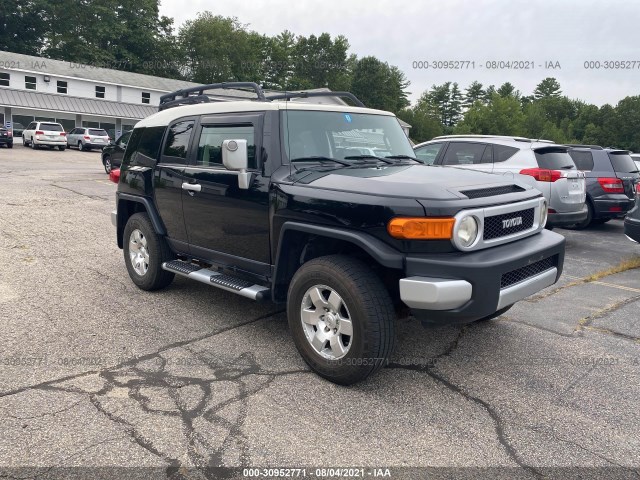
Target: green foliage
column 501, row 116
column 379, row 85
column 22, row 26
column 549, row 87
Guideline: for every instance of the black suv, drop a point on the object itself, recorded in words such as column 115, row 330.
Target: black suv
column 266, row 199
column 611, row 181
column 6, row 137
column 112, row 154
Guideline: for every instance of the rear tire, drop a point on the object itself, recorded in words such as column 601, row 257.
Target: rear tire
column 61, row 148
column 80, row 147
column 106, row 161
column 144, row 254
column 9, row 145
column 33, row 144
column 341, row 318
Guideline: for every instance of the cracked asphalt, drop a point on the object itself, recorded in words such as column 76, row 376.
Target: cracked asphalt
column 101, row 380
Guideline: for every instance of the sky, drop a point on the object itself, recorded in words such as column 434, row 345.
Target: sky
column 576, row 37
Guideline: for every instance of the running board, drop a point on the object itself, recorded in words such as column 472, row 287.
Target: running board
column 216, row 279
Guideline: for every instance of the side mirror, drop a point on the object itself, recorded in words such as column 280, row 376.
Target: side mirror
column 236, row 158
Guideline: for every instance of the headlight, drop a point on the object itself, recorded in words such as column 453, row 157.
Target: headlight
column 467, row 231
column 544, row 213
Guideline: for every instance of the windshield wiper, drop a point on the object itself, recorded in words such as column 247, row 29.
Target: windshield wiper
column 402, row 157
column 320, row 158
column 365, row 157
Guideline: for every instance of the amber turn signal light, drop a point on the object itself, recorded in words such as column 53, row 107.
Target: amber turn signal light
column 421, row 228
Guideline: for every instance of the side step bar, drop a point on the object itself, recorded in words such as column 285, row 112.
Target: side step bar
column 217, row 279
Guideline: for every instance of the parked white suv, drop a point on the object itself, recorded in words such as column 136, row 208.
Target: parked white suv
column 50, row 134
column 542, row 164
column 88, row 138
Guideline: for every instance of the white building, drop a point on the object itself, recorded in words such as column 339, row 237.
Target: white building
column 79, row 95
column 36, row 88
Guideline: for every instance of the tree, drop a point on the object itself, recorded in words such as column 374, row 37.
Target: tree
column 627, row 124
column 23, row 26
column 379, row 85
column 473, row 93
column 549, row 87
column 501, row 116
column 508, row 90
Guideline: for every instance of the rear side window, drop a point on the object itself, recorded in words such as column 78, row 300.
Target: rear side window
column 583, row 160
column 52, row 127
column 178, row 136
column 502, row 153
column 554, row 159
column 622, row 162
column 460, row 153
column 428, row 153
column 144, row 145
column 98, row 132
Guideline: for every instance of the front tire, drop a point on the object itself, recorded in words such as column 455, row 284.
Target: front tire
column 341, row 318
column 144, row 254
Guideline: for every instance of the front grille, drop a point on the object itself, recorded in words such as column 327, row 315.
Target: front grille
column 520, row 274
column 495, row 227
column 492, row 191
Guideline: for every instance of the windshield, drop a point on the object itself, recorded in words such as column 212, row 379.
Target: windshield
column 312, row 133
column 622, row 162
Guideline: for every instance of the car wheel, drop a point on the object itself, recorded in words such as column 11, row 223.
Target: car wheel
column 144, row 254
column 9, row 145
column 106, row 161
column 25, row 143
column 80, row 146
column 33, row 144
column 496, row 314
column 62, row 148
column 341, row 318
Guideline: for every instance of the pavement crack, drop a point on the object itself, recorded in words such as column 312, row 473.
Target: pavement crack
column 92, row 197
column 493, row 414
column 46, row 414
column 587, row 321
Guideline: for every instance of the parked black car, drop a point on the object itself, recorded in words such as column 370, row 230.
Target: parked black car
column 611, row 181
column 632, row 220
column 112, row 154
column 267, row 200
column 6, row 137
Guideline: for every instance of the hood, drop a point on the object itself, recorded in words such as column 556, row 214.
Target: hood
column 406, row 181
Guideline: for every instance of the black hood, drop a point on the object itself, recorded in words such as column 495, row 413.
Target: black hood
column 405, row 181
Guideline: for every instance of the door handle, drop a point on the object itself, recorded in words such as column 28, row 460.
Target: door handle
column 192, row 187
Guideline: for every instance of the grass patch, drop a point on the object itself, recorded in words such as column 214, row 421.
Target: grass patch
column 623, row 266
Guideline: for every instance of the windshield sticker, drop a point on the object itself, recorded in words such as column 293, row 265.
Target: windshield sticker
column 348, row 118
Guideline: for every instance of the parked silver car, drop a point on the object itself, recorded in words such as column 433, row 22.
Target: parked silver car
column 542, row 164
column 636, row 158
column 39, row 134
column 88, row 138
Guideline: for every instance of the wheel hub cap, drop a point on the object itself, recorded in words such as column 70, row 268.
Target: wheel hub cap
column 326, row 322
column 138, row 252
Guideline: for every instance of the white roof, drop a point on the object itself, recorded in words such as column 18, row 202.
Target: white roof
column 164, row 117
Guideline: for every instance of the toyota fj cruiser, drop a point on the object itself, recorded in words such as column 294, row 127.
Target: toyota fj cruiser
column 274, row 200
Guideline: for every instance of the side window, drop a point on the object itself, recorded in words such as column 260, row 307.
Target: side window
column 124, row 139
column 428, row 153
column 132, row 146
column 148, row 147
column 460, row 153
column 583, row 160
column 502, row 153
column 212, row 136
column 32, row 126
column 177, row 143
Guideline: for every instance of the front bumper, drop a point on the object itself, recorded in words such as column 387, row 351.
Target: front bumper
column 563, row 219
column 460, row 288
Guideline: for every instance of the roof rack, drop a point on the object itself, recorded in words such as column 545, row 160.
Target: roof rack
column 290, row 95
column 185, row 97
column 504, row 137
column 194, row 95
column 577, row 145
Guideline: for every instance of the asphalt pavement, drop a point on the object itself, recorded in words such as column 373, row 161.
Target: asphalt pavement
column 96, row 373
